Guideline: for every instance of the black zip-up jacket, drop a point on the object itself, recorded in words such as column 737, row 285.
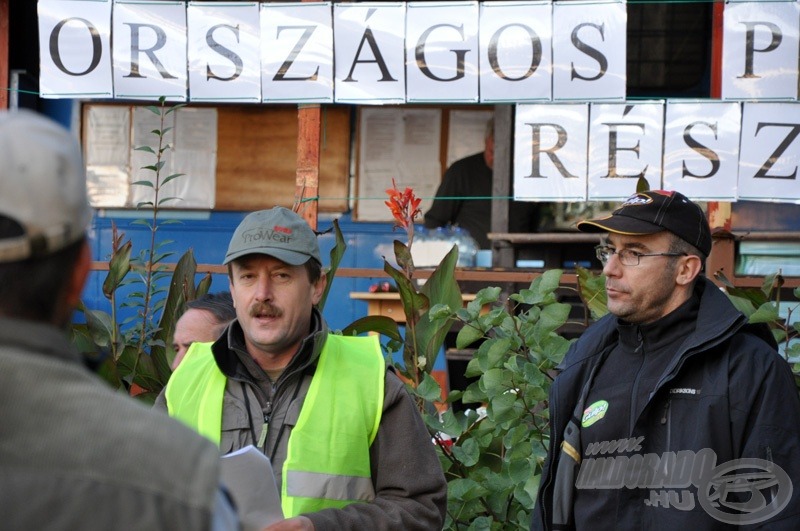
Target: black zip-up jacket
column 726, row 391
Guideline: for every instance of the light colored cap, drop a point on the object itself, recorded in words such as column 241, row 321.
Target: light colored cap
column 277, row 232
column 42, row 187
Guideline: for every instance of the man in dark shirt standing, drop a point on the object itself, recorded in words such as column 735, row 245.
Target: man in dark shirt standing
column 464, row 197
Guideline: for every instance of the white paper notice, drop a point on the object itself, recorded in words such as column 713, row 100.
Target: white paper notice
column 589, row 50
column 224, row 60
column 467, row 133
column 297, row 52
column 370, row 52
column 550, row 142
column 759, row 45
column 625, row 143
column 194, row 154
column 107, row 153
column 701, row 149
column 74, row 44
column 442, row 51
column 515, row 46
column 400, row 144
column 149, row 50
column 770, row 153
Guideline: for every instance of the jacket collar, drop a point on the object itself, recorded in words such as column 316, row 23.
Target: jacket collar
column 43, row 338
column 717, row 318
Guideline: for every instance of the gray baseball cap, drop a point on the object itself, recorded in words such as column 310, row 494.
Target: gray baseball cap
column 277, row 232
column 42, row 187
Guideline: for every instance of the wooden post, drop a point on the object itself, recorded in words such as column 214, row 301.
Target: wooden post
column 501, row 182
column 719, row 214
column 307, row 177
column 4, row 30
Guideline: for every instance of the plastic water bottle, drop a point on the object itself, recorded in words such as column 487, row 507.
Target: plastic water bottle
column 467, row 247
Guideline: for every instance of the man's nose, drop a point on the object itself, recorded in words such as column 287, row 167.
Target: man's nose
column 263, row 289
column 612, row 266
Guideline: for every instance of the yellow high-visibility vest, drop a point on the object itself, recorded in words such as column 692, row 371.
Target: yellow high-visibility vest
column 327, row 463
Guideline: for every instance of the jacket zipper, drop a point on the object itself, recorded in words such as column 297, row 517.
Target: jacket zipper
column 634, row 394
column 666, row 418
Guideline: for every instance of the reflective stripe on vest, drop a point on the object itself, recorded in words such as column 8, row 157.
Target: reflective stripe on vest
column 327, row 462
column 194, row 392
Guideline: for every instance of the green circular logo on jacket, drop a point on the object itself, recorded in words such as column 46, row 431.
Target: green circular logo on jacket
column 594, row 413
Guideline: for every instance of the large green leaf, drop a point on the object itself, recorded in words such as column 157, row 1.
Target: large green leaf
column 118, row 267
column 374, row 323
column 592, row 289
column 339, row 247
column 440, row 288
column 181, row 289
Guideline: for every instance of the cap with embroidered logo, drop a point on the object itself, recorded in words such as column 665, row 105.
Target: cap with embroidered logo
column 277, row 232
column 43, row 202
column 655, row 211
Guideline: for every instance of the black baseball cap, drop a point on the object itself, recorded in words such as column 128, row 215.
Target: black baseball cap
column 655, row 211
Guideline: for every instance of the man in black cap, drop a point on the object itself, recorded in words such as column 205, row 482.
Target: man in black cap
column 671, row 412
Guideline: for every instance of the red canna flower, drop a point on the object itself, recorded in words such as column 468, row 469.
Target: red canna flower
column 404, row 207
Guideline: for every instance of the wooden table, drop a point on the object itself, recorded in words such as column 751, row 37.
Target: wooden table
column 388, row 304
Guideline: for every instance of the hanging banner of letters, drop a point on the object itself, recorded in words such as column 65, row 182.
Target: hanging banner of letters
column 598, row 151
column 384, row 52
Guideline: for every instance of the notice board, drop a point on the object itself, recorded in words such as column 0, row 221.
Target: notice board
column 413, row 146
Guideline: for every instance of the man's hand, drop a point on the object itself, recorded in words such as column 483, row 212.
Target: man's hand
column 298, row 523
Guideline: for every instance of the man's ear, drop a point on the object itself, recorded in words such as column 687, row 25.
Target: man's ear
column 319, row 288
column 688, row 269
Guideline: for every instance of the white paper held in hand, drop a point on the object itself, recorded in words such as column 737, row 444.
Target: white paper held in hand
column 247, row 474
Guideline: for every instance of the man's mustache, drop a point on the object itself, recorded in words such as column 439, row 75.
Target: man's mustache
column 264, row 309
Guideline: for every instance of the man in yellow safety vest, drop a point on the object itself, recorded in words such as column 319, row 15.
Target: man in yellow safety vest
column 348, row 448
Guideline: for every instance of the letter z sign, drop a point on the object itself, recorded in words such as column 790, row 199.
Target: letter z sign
column 770, row 152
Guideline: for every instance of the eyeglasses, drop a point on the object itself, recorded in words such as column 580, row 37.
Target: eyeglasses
column 627, row 257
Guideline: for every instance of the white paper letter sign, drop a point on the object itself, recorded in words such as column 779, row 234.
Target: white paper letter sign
column 442, row 51
column 701, row 149
column 224, row 61
column 760, row 50
column 589, row 46
column 75, row 50
column 149, row 50
column 370, row 52
column 550, row 152
column 625, row 142
column 770, row 152
column 515, row 40
column 297, row 52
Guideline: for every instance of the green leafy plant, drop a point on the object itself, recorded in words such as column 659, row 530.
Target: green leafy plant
column 132, row 354
column 425, row 333
column 492, row 454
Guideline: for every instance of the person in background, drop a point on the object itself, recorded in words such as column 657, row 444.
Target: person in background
column 671, row 412
column 203, row 321
column 74, row 454
column 348, row 447
column 471, row 177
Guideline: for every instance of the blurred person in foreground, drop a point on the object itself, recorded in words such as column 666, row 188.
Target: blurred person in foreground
column 464, row 197
column 202, row 322
column 348, row 447
column 74, row 454
column 671, row 412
